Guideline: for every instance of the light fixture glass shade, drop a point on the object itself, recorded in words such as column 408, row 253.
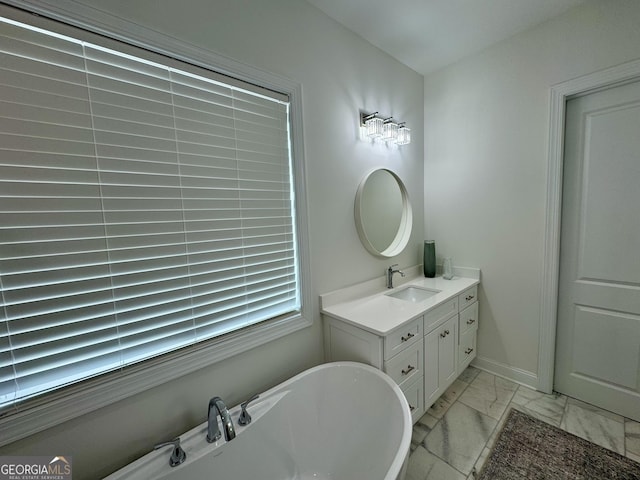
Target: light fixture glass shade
column 390, row 131
column 374, row 127
column 404, row 135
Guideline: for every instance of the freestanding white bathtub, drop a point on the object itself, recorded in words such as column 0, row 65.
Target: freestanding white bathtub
column 338, row 421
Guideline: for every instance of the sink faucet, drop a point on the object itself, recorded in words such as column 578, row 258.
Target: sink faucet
column 217, row 406
column 390, row 272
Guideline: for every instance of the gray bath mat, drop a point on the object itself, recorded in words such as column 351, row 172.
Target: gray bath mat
column 530, row 449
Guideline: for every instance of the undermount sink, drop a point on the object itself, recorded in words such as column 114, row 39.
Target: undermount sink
column 413, row 294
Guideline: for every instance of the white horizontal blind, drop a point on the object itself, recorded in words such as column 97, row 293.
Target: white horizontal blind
column 143, row 209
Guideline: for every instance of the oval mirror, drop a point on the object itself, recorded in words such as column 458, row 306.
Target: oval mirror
column 383, row 213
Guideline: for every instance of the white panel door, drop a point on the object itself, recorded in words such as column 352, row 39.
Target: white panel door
column 598, row 336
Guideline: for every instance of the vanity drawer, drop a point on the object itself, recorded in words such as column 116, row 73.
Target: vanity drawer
column 435, row 316
column 468, row 319
column 467, row 297
column 466, row 350
column 415, row 398
column 405, row 367
column 402, row 338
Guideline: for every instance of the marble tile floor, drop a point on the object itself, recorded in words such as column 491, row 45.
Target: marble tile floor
column 453, row 439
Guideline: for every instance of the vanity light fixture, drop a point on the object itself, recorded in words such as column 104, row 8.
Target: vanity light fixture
column 389, row 130
column 372, row 124
column 384, row 129
column 404, row 135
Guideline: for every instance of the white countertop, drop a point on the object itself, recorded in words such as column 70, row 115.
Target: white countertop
column 367, row 306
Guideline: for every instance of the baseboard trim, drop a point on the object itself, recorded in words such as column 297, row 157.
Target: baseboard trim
column 523, row 377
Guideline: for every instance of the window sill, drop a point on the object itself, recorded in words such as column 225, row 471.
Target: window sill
column 36, row 416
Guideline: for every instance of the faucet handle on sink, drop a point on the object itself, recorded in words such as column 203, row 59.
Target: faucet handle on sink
column 178, row 455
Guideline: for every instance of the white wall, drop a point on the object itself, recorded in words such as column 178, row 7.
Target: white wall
column 340, row 74
column 486, row 138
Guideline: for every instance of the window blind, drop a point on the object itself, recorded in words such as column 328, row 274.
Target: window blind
column 144, row 208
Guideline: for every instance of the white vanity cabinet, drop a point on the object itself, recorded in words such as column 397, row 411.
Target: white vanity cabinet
column 427, row 345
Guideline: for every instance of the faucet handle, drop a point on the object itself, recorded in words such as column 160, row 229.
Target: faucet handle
column 392, row 270
column 245, row 418
column 178, row 455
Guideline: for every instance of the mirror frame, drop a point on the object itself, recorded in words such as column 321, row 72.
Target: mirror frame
column 403, row 234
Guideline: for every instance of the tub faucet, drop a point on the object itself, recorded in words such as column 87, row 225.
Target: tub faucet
column 217, row 406
column 390, row 272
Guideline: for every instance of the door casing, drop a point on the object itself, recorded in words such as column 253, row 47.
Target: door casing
column 627, row 72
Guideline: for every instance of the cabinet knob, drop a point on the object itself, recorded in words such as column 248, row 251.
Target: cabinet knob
column 411, row 407
column 409, row 369
column 470, row 321
column 445, row 333
column 408, row 337
column 469, row 297
column 468, row 351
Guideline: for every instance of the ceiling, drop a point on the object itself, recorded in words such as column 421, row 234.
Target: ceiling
column 427, row 35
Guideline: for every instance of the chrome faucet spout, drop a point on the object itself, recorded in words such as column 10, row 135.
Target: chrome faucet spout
column 390, row 271
column 218, row 408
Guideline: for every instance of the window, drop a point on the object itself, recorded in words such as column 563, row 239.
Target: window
column 146, row 205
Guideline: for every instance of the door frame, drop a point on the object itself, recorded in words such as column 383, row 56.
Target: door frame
column 560, row 93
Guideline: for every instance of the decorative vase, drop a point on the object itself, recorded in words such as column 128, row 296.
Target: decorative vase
column 429, row 259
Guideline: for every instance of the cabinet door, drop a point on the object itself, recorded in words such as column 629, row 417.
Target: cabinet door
column 431, row 382
column 447, row 355
column 466, row 350
column 440, row 355
column 406, row 367
column 468, row 319
column 414, row 395
column 402, row 338
column 467, row 297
